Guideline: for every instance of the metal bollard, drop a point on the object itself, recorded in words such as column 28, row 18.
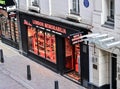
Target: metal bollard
column 56, row 85
column 1, row 56
column 28, row 72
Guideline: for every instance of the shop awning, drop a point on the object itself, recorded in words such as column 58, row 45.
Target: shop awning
column 102, row 40
column 6, row 3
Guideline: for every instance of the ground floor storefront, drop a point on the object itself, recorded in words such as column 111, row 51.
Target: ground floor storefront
column 56, row 45
column 9, row 28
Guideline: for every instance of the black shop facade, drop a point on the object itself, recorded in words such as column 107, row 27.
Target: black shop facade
column 56, row 45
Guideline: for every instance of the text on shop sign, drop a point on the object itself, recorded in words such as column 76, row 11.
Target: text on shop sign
column 46, row 25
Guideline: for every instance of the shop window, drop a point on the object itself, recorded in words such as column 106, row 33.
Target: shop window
column 4, row 24
column 75, row 7
column 14, row 29
column 69, row 55
column 32, row 40
column 72, row 60
column 9, row 28
column 77, row 58
column 5, row 27
column 50, row 44
column 42, row 43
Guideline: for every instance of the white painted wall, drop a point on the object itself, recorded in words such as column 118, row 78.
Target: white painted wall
column 104, row 68
column 60, row 8
column 105, row 9
column 117, row 17
column 90, row 63
column 23, row 4
column 86, row 13
column 101, row 75
column 45, row 7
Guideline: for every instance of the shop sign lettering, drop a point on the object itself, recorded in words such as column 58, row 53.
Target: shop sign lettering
column 27, row 23
column 76, row 38
column 49, row 26
column 38, row 23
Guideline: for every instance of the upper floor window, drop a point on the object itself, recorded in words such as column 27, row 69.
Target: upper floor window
column 112, row 10
column 34, row 6
column 109, row 11
column 35, row 3
column 75, row 7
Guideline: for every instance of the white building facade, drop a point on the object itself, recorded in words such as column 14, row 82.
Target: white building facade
column 105, row 21
column 104, row 18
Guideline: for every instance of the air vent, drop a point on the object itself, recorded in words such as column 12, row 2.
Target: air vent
column 34, row 9
column 74, row 17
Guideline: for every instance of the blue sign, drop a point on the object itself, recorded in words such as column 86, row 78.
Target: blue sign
column 86, row 3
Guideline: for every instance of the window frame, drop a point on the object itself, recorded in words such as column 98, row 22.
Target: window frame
column 75, row 7
column 112, row 9
column 34, row 3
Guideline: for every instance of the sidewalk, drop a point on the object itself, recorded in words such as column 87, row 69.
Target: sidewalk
column 15, row 66
column 6, row 82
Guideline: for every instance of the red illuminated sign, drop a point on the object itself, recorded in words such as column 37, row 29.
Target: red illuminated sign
column 27, row 23
column 38, row 23
column 76, row 38
column 49, row 26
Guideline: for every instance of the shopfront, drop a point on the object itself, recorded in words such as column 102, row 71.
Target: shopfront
column 55, row 45
column 8, row 25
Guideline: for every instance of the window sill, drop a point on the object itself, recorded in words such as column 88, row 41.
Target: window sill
column 109, row 24
column 74, row 18
column 34, row 9
column 74, row 12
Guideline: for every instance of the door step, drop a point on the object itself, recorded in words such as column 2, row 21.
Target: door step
column 72, row 79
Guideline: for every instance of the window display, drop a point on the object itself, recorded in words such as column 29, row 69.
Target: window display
column 32, row 40
column 77, row 58
column 5, row 27
column 8, row 27
column 10, row 30
column 72, row 59
column 42, row 43
column 69, row 54
column 14, row 29
column 50, row 47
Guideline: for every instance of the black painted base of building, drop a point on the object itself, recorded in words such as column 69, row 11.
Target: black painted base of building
column 92, row 86
column 9, row 42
